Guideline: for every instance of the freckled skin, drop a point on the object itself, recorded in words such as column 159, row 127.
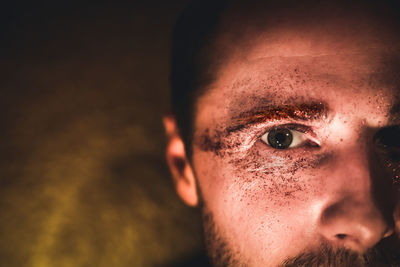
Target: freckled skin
column 266, row 204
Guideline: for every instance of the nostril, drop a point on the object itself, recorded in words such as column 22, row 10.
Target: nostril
column 353, row 224
column 341, row 236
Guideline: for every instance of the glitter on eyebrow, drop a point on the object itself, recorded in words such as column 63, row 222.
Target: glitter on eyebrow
column 300, row 112
column 213, row 140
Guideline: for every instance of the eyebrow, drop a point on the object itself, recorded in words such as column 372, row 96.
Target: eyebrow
column 299, row 112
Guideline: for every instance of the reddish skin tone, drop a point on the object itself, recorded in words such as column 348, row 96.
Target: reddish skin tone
column 270, row 204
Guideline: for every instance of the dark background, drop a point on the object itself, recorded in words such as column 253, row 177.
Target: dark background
column 83, row 180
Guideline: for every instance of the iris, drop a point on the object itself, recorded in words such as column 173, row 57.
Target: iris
column 280, row 138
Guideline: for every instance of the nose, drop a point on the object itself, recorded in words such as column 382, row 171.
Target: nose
column 350, row 217
column 354, row 225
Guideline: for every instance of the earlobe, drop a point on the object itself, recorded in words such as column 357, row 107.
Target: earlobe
column 181, row 169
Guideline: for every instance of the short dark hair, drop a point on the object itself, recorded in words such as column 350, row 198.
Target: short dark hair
column 193, row 35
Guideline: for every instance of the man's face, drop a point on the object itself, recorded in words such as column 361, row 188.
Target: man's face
column 296, row 142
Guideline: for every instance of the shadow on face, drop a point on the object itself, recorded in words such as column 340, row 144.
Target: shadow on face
column 278, row 174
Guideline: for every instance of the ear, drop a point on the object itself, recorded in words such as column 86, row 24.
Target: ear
column 396, row 218
column 182, row 172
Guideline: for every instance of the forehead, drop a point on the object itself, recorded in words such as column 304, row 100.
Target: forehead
column 291, row 60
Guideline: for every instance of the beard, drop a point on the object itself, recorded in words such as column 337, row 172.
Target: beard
column 221, row 254
column 327, row 256
column 217, row 248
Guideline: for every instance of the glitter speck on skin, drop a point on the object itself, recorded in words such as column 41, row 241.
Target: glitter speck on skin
column 265, row 186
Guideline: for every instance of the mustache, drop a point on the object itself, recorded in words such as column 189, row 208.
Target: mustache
column 329, row 257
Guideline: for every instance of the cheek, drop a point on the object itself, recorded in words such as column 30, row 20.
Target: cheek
column 262, row 215
column 259, row 193
column 279, row 175
column 261, row 198
column 259, row 178
column 212, row 174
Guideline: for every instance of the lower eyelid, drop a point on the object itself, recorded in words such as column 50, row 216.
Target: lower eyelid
column 314, row 140
column 291, row 158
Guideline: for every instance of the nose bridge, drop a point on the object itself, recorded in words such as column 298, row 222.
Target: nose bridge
column 351, row 216
column 353, row 168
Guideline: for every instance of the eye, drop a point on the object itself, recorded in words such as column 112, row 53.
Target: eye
column 283, row 138
column 388, row 137
column 387, row 140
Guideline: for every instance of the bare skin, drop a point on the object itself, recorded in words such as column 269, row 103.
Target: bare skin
column 335, row 91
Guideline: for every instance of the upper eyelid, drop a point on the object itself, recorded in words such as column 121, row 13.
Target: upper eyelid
column 291, row 126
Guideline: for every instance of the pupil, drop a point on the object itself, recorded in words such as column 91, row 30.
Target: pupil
column 389, row 137
column 280, row 138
